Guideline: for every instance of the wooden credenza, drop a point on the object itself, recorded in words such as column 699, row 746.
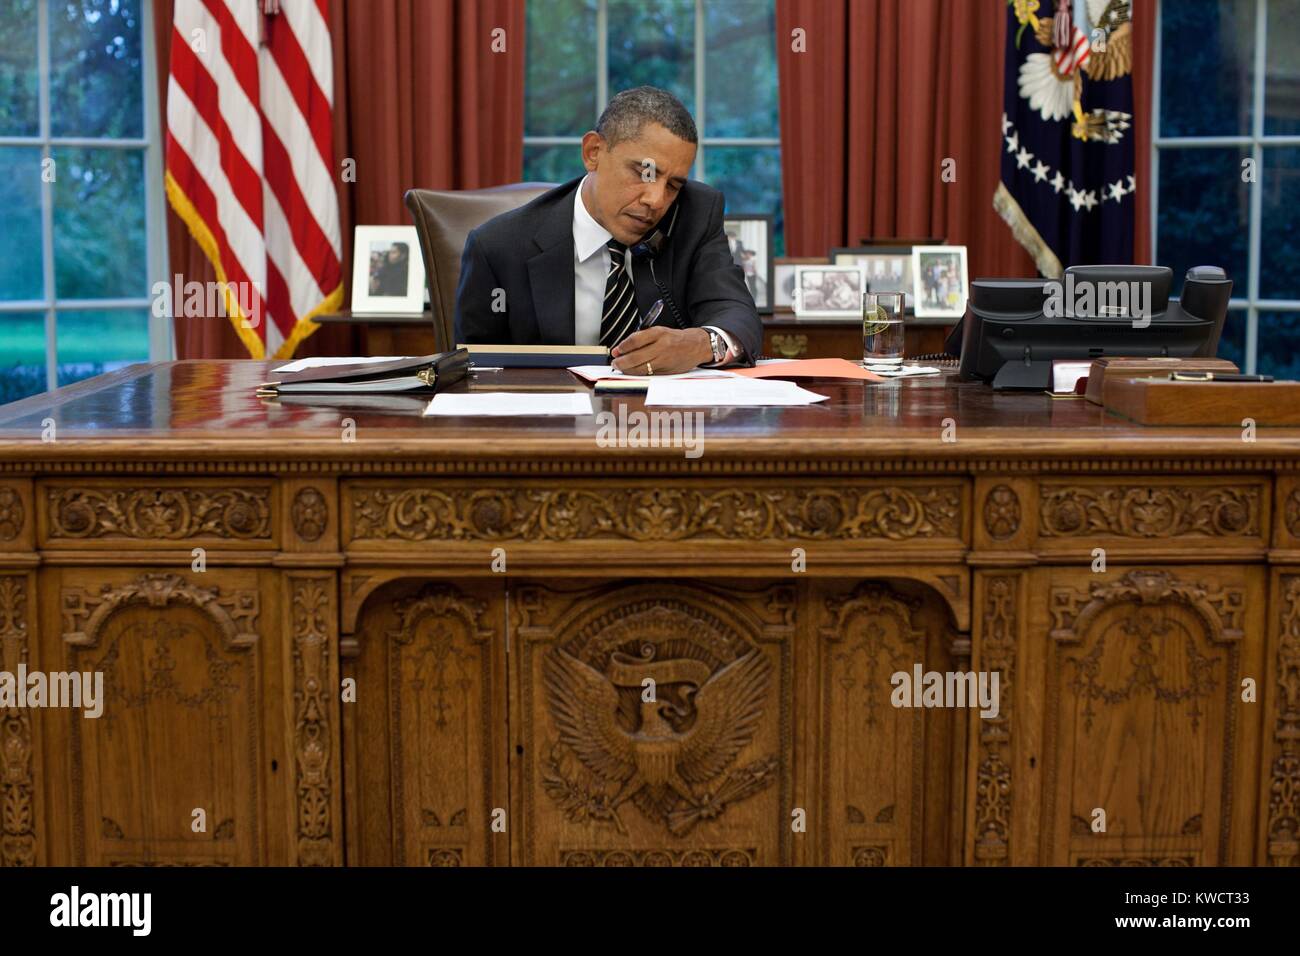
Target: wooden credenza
column 784, row 335
column 353, row 635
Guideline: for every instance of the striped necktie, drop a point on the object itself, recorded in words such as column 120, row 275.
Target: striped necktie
column 619, row 317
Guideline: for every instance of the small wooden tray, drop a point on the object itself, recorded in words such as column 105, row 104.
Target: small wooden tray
column 1150, row 401
column 1106, row 370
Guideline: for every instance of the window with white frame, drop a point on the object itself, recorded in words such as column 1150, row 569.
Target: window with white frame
column 717, row 56
column 1227, row 165
column 80, row 192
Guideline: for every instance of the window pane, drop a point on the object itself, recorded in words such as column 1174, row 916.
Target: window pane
column 18, row 80
column 740, row 68
column 561, row 86
column 750, row 178
column 99, row 230
column 90, row 343
column 1282, row 70
column 552, row 164
column 22, row 355
column 1204, row 212
column 1206, row 67
column 1279, row 344
column 652, row 43
column 1279, row 268
column 21, row 276
column 96, row 68
column 1232, row 341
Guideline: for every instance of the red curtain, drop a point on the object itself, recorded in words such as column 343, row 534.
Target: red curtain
column 882, row 93
column 421, row 98
column 1144, row 93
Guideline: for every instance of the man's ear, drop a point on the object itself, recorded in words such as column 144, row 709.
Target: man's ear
column 593, row 144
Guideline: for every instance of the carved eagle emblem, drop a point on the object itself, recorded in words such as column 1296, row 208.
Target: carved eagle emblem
column 663, row 751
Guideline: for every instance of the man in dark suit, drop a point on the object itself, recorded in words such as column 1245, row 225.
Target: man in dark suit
column 566, row 268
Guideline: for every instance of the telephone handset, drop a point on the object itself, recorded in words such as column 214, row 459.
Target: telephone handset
column 650, row 245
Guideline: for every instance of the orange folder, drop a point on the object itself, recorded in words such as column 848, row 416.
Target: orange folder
column 811, row 368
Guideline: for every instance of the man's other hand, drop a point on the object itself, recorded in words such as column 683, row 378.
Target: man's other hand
column 662, row 351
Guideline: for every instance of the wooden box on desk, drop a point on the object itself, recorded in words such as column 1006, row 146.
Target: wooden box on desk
column 1153, row 401
column 1104, row 371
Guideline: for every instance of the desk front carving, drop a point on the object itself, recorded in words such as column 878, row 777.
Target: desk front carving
column 447, row 645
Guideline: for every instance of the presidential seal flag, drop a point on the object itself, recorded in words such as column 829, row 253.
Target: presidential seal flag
column 1067, row 189
column 249, row 159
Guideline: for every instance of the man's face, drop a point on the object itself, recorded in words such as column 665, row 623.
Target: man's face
column 632, row 185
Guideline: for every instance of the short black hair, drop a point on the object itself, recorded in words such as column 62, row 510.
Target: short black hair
column 631, row 109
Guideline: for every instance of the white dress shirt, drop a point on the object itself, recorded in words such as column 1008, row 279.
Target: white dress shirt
column 590, row 273
column 590, row 269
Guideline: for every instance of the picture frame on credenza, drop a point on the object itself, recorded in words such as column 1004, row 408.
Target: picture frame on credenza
column 940, row 281
column 749, row 236
column 783, row 280
column 884, row 268
column 387, row 271
column 828, row 290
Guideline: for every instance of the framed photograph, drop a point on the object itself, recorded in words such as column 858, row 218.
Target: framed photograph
column 828, row 290
column 783, row 280
column 750, row 239
column 939, row 281
column 884, row 268
column 387, row 270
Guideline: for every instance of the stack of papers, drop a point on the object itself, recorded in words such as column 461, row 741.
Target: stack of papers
column 596, row 373
column 532, row 404
column 732, row 391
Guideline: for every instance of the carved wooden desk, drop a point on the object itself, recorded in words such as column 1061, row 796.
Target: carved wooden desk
column 425, row 641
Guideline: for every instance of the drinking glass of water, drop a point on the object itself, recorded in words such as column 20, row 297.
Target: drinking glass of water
column 882, row 328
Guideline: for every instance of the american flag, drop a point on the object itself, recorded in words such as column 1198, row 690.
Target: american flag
column 249, row 160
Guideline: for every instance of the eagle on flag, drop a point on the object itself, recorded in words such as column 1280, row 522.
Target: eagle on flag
column 1067, row 187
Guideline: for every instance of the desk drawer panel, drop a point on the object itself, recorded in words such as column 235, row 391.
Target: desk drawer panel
column 1153, row 514
column 153, row 513
column 1149, row 743
column 843, row 516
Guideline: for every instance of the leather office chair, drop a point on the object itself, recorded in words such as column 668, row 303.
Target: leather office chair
column 443, row 220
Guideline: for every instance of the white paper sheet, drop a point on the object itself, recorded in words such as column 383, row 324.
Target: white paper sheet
column 531, row 404
column 594, row 373
column 734, row 392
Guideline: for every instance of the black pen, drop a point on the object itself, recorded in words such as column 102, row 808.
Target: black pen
column 1217, row 377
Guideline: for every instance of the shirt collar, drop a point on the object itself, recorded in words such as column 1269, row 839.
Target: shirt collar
column 589, row 236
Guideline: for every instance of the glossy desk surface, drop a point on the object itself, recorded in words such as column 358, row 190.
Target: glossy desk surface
column 205, row 410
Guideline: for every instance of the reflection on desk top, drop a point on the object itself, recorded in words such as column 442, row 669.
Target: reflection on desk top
column 208, row 410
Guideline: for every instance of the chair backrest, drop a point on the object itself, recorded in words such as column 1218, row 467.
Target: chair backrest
column 443, row 220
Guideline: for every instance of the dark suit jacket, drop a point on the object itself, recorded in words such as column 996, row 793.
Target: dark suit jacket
column 528, row 252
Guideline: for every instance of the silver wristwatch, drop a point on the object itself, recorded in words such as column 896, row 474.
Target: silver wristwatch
column 718, row 344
